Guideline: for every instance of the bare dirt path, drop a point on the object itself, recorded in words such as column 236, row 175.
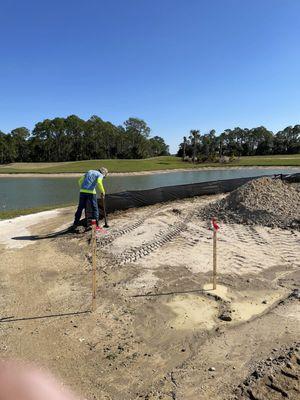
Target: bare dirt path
column 156, row 331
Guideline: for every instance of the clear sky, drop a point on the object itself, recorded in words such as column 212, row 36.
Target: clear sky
column 178, row 64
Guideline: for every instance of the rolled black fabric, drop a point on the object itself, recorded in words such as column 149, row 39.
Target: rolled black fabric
column 293, row 178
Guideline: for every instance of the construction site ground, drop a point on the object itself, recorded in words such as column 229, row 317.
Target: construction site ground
column 159, row 331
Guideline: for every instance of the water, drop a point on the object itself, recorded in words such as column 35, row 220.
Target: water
column 19, row 193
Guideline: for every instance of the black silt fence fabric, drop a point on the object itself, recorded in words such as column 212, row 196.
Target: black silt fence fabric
column 293, row 178
column 142, row 198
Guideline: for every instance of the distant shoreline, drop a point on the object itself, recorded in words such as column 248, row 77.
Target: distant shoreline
column 164, row 171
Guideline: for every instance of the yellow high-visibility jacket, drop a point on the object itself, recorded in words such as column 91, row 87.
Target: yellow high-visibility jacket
column 89, row 181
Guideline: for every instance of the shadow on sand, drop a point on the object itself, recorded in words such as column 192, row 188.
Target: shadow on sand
column 67, row 231
column 17, row 319
column 171, row 293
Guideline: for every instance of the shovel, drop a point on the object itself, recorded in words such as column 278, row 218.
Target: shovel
column 104, row 212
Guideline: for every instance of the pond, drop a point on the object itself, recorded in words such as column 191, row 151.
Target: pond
column 29, row 192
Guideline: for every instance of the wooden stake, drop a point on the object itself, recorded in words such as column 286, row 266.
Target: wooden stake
column 94, row 266
column 215, row 259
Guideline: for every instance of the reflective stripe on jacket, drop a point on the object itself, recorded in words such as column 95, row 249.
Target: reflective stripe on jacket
column 90, row 180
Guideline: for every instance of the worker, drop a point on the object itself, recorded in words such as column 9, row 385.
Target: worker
column 88, row 184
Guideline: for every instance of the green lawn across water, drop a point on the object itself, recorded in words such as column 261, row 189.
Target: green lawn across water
column 150, row 164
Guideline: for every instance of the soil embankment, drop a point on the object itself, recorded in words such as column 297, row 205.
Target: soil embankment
column 157, row 332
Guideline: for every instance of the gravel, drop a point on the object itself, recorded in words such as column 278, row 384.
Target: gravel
column 263, row 201
column 273, row 378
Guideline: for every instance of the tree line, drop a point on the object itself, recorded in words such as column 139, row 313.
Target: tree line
column 74, row 139
column 239, row 142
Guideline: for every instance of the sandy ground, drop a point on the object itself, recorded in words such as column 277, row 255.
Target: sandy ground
column 74, row 175
column 16, row 227
column 158, row 331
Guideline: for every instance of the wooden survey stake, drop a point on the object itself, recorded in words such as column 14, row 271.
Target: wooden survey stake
column 94, row 267
column 215, row 260
column 215, row 230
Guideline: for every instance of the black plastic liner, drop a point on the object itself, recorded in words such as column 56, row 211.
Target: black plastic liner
column 142, row 198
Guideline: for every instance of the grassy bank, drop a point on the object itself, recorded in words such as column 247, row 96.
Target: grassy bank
column 150, row 164
column 26, row 211
column 287, row 160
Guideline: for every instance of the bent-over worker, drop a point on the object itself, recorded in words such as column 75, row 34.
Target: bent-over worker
column 88, row 183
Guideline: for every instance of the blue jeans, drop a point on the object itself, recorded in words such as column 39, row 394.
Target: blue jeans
column 84, row 199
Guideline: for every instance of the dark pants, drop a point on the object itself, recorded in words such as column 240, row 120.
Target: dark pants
column 84, row 199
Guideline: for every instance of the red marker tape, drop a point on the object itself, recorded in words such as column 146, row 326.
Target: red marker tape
column 214, row 224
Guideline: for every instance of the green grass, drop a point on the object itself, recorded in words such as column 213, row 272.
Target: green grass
column 17, row 213
column 150, row 164
column 287, row 160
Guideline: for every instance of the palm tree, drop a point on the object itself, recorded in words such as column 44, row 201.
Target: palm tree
column 195, row 136
column 184, row 147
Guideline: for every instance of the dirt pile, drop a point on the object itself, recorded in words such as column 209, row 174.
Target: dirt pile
column 263, row 201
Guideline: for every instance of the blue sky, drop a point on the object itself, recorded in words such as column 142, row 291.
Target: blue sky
column 178, row 64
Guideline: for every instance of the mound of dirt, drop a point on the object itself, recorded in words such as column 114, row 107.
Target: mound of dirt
column 263, row 201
